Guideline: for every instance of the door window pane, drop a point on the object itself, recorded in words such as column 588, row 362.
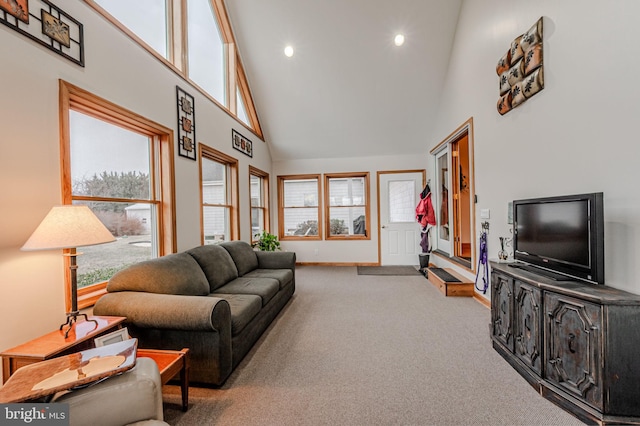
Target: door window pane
column 443, row 198
column 401, row 201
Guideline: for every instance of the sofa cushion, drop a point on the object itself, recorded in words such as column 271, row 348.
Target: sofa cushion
column 244, row 307
column 284, row 276
column 217, row 264
column 243, row 256
column 266, row 288
column 175, row 273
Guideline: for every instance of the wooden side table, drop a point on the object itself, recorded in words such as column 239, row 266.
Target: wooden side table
column 54, row 344
column 171, row 363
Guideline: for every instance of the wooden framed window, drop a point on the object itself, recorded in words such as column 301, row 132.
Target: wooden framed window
column 346, row 200
column 195, row 40
column 219, row 196
column 299, row 209
column 121, row 165
column 259, row 193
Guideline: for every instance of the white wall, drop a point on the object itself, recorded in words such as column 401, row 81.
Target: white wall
column 31, row 283
column 577, row 135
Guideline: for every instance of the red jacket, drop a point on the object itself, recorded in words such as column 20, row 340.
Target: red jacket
column 424, row 211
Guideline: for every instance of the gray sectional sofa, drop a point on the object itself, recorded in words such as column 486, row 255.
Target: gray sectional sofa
column 216, row 300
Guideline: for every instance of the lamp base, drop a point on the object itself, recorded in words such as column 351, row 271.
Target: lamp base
column 72, row 317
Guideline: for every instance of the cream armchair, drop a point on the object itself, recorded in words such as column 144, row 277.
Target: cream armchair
column 133, row 397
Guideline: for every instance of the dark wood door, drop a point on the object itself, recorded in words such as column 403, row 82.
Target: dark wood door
column 527, row 325
column 502, row 309
column 574, row 347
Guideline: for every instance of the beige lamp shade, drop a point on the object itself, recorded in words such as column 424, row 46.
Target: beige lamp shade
column 68, row 226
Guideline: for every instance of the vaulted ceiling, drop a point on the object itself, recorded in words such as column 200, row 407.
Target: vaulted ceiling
column 348, row 91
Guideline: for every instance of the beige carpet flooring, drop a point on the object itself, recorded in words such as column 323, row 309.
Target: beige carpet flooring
column 354, row 349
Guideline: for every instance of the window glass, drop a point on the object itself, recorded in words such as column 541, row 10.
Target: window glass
column 443, row 196
column 214, row 196
column 347, row 206
column 214, row 177
column 146, row 18
column 206, row 49
column 101, row 177
column 196, row 50
column 242, row 112
column 98, row 166
column 216, row 224
column 257, row 206
column 401, row 201
column 218, row 173
column 300, row 207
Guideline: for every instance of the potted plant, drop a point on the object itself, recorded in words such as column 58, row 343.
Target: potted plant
column 267, row 242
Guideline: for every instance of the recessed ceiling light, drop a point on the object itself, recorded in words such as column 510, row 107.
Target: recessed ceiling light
column 288, row 51
column 399, row 40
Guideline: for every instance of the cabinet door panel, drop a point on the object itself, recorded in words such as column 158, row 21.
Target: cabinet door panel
column 502, row 309
column 527, row 326
column 574, row 347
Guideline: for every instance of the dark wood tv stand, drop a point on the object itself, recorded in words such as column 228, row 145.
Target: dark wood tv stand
column 575, row 343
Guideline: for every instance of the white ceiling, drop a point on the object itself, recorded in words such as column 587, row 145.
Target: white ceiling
column 348, row 91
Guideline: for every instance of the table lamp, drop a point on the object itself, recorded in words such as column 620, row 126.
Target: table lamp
column 68, row 227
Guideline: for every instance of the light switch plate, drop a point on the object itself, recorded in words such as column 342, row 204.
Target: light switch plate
column 485, row 213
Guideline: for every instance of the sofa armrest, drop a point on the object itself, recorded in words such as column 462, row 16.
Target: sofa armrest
column 166, row 311
column 276, row 259
column 133, row 396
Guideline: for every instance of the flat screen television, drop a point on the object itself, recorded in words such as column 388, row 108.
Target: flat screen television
column 561, row 237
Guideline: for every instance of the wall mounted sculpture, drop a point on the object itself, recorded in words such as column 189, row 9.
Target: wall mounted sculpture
column 521, row 70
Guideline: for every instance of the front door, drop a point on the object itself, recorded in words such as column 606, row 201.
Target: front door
column 399, row 231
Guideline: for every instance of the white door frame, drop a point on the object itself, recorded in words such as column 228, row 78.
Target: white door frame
column 379, row 192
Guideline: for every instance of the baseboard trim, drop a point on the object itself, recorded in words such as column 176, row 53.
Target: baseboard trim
column 482, row 300
column 337, row 264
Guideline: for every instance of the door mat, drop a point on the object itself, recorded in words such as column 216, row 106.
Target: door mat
column 443, row 275
column 387, row 270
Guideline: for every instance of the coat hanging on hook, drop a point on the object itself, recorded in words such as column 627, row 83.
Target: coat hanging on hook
column 426, row 216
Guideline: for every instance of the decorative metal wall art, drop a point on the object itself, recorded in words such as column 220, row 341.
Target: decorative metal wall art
column 186, row 124
column 521, row 70
column 48, row 25
column 241, row 143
